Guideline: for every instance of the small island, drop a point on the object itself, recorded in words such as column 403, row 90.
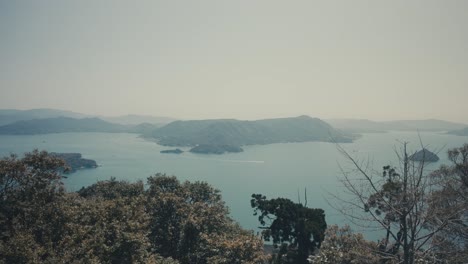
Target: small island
column 215, row 149
column 75, row 162
column 424, row 155
column 172, row 151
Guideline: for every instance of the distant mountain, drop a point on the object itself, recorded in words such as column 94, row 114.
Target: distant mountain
column 364, row 125
column 8, row 116
column 138, row 119
column 60, row 125
column 233, row 132
column 459, row 132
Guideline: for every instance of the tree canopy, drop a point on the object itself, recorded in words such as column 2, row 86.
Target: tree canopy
column 113, row 221
column 299, row 230
column 423, row 214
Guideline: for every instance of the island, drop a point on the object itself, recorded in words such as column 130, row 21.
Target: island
column 424, row 155
column 229, row 135
column 172, row 151
column 215, row 149
column 74, row 161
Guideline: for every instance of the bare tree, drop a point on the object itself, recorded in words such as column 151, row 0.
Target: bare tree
column 396, row 201
column 450, row 198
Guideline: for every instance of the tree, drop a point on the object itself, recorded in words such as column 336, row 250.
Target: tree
column 299, row 229
column 397, row 201
column 108, row 223
column 450, row 197
column 342, row 246
column 114, row 221
column 31, row 215
column 189, row 222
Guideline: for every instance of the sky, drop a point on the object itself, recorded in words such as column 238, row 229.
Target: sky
column 244, row 59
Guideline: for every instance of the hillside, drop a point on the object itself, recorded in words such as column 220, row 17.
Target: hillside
column 60, row 125
column 238, row 133
column 369, row 126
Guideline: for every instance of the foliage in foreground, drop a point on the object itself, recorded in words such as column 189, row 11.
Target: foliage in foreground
column 297, row 229
column 171, row 222
column 114, row 221
column 424, row 215
column 341, row 245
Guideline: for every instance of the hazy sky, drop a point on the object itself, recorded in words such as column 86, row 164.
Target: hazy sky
column 239, row 59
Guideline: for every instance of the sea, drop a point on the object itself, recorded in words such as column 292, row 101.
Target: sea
column 288, row 170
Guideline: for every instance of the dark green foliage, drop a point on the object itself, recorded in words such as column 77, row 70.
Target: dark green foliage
column 299, row 230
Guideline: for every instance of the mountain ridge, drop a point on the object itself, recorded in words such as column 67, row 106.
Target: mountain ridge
column 60, row 125
column 9, row 116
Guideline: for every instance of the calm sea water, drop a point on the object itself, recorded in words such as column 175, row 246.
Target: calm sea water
column 276, row 170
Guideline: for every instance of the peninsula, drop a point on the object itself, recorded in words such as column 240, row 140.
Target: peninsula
column 75, row 162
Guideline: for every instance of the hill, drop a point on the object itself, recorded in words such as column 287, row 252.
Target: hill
column 238, row 133
column 60, row 125
column 8, row 116
column 369, row 126
column 459, row 132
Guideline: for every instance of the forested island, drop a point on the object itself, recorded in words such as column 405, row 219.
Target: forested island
column 237, row 133
column 74, row 161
